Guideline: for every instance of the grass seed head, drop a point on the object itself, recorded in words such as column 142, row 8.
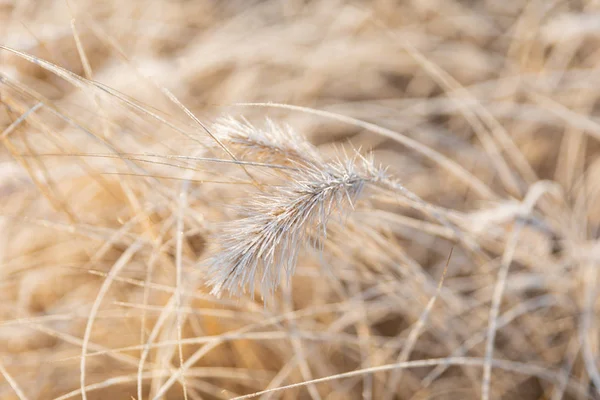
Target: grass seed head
column 263, row 246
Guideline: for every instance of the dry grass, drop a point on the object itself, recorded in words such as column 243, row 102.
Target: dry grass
column 328, row 155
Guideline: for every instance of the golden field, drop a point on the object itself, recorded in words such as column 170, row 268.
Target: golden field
column 294, row 199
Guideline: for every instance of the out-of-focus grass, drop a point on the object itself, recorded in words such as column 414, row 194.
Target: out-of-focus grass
column 111, row 198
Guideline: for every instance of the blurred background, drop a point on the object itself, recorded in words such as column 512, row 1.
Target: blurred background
column 487, row 110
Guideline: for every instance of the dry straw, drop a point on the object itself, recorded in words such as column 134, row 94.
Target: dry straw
column 118, row 202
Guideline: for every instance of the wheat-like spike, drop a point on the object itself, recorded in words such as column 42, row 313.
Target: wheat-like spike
column 264, row 245
column 270, row 144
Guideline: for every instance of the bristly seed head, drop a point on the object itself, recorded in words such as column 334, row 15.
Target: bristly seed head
column 270, row 144
column 264, row 245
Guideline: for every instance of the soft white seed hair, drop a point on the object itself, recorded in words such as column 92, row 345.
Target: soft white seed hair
column 263, row 246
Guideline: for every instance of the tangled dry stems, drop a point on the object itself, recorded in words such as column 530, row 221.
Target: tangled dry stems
column 120, row 212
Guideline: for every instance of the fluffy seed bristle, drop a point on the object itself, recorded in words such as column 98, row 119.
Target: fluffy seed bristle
column 272, row 143
column 264, row 245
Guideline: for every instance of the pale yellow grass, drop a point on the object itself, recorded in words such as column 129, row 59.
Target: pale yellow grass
column 114, row 190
